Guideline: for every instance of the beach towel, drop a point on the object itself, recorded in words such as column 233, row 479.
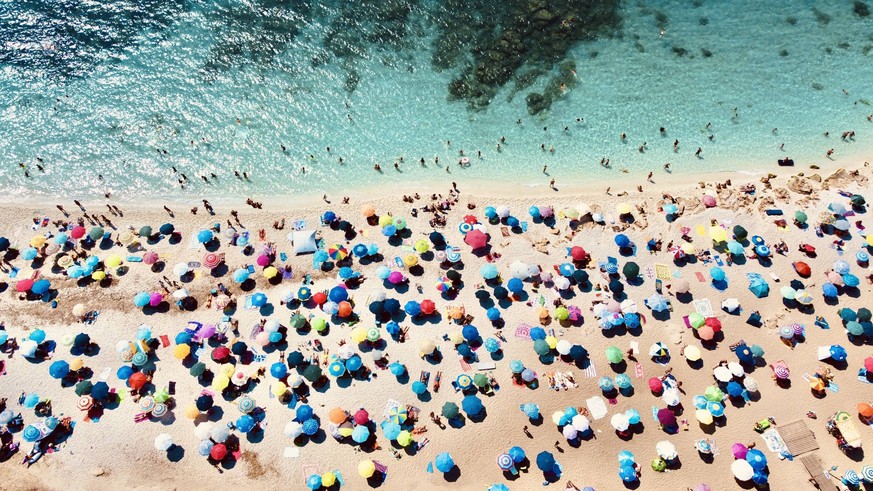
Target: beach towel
column 291, row 452
column 380, row 467
column 522, row 331
column 774, row 441
column 591, row 370
column 638, row 367
column 464, row 365
column 309, row 469
column 655, row 414
column 105, row 373
column 165, row 340
column 596, row 407
column 700, row 277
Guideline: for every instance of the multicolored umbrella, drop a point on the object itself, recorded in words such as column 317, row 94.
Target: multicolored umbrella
column 159, row 410
column 464, row 381
column 211, row 260
column 146, row 404
column 85, row 403
column 246, row 405
column 444, row 284
column 337, row 252
column 397, row 414
column 505, row 462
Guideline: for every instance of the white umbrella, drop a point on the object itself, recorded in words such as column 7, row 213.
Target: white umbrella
column 181, row 269
column 730, row 304
column 561, row 283
column 742, row 470
column 220, row 434
column 502, row 211
column 569, row 432
column 824, row 352
column 181, row 293
column 583, row 209
column 722, row 374
column 580, row 422
column 629, row 307
column 750, row 384
column 671, row 397
column 345, row 351
column 293, row 429
column 564, row 347
column 271, row 326
column 163, row 442
column 620, row 422
column 378, row 296
column 736, row 369
column 519, row 270
column 203, row 430
column 295, row 381
column 600, row 310
column 28, row 348
column 666, row 450
column 239, row 378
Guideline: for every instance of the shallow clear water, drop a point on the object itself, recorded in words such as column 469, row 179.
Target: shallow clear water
column 107, row 87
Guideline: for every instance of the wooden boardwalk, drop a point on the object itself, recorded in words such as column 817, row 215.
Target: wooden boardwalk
column 798, row 438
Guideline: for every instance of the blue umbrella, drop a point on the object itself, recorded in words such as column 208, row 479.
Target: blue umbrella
column 40, row 286
column 717, row 274
column 545, row 461
column 537, row 333
column 124, row 372
column 493, row 314
column 338, row 294
column 566, row 270
column 310, row 427
column 4, row 244
column 31, row 434
column 531, row 410
column 759, row 287
column 491, row 345
column 319, row 258
column 762, row 250
column 389, row 230
column 259, row 299
column 841, row 267
column 418, row 387
column 396, row 369
column 59, row 369
column 303, row 413
column 734, row 389
column 204, row 236
column 633, row 416
column 354, row 363
column 829, row 290
column 470, row 333
column 578, row 352
column 837, row 208
column 245, row 423
column 700, row 402
column 328, row 217
column 517, row 454
column 625, row 457
column 515, row 285
column 516, row 366
column 336, row 369
column 756, row 459
column 744, row 354
column 612, row 268
column 760, row 478
column 444, row 462
column 657, row 303
column 605, row 384
column 838, row 353
column 240, row 275
column 735, row 248
column 627, row 473
column 528, row 375
column 183, row 337
column 37, row 335
column 313, row 482
column 304, row 294
column 622, row 241
column 31, row 400
column 392, row 328
column 278, row 370
column 100, row 391
column 490, row 212
column 412, row 308
column 346, row 272
column 622, row 381
column 534, row 212
column 204, row 447
column 715, row 409
column 29, row 254
column 851, row 280
column 472, row 405
column 141, row 299
column 848, row 314
column 631, row 320
column 391, row 305
column 359, row 250
column 488, row 271
column 360, row 434
column 391, row 430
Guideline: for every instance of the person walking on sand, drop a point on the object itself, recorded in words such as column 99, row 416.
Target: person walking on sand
column 526, row 432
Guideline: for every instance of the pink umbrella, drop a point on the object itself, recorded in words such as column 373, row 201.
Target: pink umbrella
column 77, row 232
column 868, row 363
column 211, row 260
column 701, row 487
column 155, row 299
column 150, row 257
column 206, row 332
column 395, row 277
column 263, row 260
column 655, row 385
column 835, row 278
column 666, row 417
column 739, row 450
column 708, row 201
column 781, row 371
column 476, row 239
column 681, row 286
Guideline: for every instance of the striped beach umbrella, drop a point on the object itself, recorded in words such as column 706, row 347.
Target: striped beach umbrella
column 444, row 284
column 453, row 256
column 505, row 462
column 246, row 405
column 464, row 381
column 85, row 403
column 147, row 403
column 867, row 473
column 851, row 478
column 465, row 227
column 781, row 372
column 337, row 252
column 397, row 414
column 159, row 410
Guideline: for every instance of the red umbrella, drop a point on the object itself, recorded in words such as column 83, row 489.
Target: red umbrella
column 714, row 323
column 655, row 385
column 706, row 333
column 211, row 260
column 427, row 307
column 150, row 257
column 476, row 239
column 319, row 298
column 802, row 269
column 471, row 220
column 137, row 380
column 666, row 417
column 362, row 417
column 77, row 232
column 220, row 354
column 218, row 452
column 868, row 363
column 578, row 253
column 24, row 285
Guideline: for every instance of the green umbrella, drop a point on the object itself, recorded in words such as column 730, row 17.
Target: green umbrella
column 757, row 351
column 197, row 369
column 83, row 388
column 713, row 394
column 450, row 410
column 96, row 233
column 312, row 373
column 658, row 465
column 319, row 324
column 614, row 355
column 167, row 228
column 145, row 231
column 800, row 216
column 631, row 270
column 740, row 233
column 541, row 347
column 480, row 380
column 298, row 321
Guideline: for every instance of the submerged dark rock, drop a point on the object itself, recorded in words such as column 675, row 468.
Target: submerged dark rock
column 861, row 9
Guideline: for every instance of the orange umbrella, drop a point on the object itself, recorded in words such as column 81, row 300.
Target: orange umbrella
column 802, row 269
column 816, row 384
column 137, row 380
column 865, row 409
column 337, row 416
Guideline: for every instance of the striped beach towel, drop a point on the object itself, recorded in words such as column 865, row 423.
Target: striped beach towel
column 639, row 370
column 464, row 365
column 591, row 370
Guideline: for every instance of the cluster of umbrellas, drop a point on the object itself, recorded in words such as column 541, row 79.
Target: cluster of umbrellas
column 750, row 465
column 344, row 425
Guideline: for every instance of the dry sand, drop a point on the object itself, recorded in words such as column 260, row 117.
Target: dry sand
column 116, row 452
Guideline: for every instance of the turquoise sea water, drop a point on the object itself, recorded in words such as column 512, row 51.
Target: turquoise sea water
column 119, row 89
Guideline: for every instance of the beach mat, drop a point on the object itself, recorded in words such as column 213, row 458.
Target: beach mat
column 596, row 407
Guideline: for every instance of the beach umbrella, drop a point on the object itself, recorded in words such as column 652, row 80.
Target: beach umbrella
column 606, row 384
column 867, row 473
column 666, row 417
column 476, row 239
column 756, row 459
column 204, row 448
column 803, row 297
column 100, row 391
column 444, row 462
column 630, row 270
column 735, row 248
column 614, row 355
column 218, row 452
column 28, row 348
column 742, row 470
column 366, row 468
column 545, row 461
column 472, row 405
column 627, row 473
column 666, row 450
column 197, row 369
column 622, row 381
column 838, row 353
column 246, row 405
column 312, row 373
column 6, row 416
column 360, row 434
column 620, row 422
column 59, row 369
column 854, row 328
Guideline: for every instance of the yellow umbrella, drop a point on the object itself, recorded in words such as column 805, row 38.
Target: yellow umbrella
column 718, row 234
column 422, row 246
column 623, row 208
column 456, row 312
column 543, row 313
column 385, row 220
column 817, row 384
column 113, row 261
column 552, row 341
column 64, row 261
column 404, row 438
column 76, row 364
column 692, row 353
column 359, row 334
column 227, row 369
column 191, row 411
column 328, row 479
column 456, row 336
column 37, row 241
column 703, row 416
column 278, row 388
column 366, row 468
column 870, row 240
column 181, row 351
column 688, row 248
column 557, row 416
column 98, row 275
column 270, row 272
column 426, row 347
column 125, row 237
column 410, row 260
column 220, row 381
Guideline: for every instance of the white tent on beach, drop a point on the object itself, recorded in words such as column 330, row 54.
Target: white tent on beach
column 303, row 241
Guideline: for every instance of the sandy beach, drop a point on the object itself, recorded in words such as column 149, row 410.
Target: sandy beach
column 109, row 448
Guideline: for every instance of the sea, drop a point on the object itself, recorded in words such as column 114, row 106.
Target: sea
column 292, row 98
